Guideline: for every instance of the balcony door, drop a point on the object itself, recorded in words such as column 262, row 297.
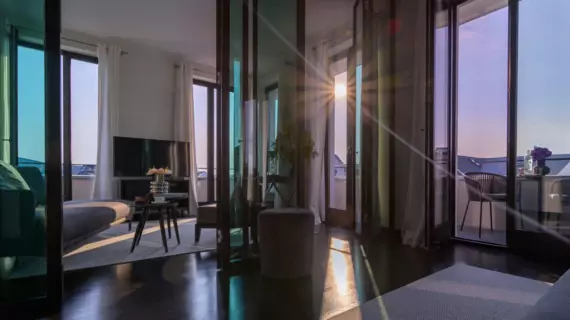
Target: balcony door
column 340, row 150
column 540, row 219
column 470, row 121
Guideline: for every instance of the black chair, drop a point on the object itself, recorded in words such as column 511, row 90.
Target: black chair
column 484, row 187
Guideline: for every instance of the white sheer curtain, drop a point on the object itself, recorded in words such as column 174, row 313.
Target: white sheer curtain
column 413, row 224
column 319, row 88
column 184, row 126
column 109, row 78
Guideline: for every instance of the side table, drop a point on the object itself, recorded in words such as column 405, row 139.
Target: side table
column 169, row 208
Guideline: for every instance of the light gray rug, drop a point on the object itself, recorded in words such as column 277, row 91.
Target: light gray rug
column 113, row 245
column 459, row 292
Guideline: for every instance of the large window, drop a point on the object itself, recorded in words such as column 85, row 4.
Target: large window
column 543, row 114
column 83, row 78
column 31, row 108
column 79, row 116
column 205, row 133
column 482, row 92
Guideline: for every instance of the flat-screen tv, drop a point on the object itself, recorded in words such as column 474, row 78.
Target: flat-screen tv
column 133, row 157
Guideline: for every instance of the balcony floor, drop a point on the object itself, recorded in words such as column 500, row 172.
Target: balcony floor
column 498, row 237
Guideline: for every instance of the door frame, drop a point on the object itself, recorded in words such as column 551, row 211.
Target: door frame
column 447, row 231
column 536, row 244
column 437, row 234
column 339, row 64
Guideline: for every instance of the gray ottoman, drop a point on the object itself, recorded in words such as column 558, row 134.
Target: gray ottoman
column 286, row 242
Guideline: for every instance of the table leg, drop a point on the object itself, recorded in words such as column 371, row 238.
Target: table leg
column 162, row 232
column 143, row 223
column 168, row 212
column 137, row 231
column 175, row 222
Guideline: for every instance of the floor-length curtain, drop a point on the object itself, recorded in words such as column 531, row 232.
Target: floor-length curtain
column 413, row 224
column 319, row 89
column 184, row 128
column 109, row 79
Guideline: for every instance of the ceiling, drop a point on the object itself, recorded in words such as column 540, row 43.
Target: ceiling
column 185, row 27
column 179, row 26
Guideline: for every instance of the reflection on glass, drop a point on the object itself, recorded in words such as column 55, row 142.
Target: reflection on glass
column 22, row 155
column 441, row 119
column 543, row 114
column 482, row 124
column 358, row 148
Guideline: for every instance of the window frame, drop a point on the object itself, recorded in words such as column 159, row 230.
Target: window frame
column 210, row 127
column 66, row 57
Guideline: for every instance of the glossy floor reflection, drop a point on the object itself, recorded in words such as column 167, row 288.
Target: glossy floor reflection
column 346, row 272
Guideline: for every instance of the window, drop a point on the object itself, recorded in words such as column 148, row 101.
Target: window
column 201, row 141
column 31, row 108
column 543, row 115
column 84, row 114
column 205, row 134
column 79, row 116
column 482, row 91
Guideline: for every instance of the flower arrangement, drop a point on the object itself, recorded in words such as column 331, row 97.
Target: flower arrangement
column 540, row 154
column 159, row 183
column 160, row 171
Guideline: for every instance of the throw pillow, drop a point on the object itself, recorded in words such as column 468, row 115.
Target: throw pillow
column 10, row 178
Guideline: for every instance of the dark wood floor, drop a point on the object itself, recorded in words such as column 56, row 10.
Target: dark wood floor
column 346, row 272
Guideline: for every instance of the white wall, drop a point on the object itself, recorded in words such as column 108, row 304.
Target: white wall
column 146, row 100
column 147, row 94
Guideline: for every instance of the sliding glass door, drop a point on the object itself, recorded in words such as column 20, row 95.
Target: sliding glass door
column 500, row 74
column 541, row 216
column 339, row 150
column 470, row 121
column 481, row 122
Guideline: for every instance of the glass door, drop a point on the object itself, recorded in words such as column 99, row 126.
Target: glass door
column 470, row 129
column 255, row 63
column 340, row 150
column 481, row 151
column 540, row 154
column 440, row 220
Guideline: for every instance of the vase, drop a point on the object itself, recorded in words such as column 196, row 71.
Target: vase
column 159, row 184
column 541, row 168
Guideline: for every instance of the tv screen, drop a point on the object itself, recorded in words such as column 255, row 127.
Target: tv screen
column 133, row 157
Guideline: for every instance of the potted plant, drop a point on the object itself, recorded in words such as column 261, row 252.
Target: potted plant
column 539, row 155
column 289, row 142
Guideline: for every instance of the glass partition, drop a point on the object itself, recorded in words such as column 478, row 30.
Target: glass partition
column 543, row 185
column 441, row 123
column 236, row 146
column 23, row 195
column 256, row 55
column 482, row 92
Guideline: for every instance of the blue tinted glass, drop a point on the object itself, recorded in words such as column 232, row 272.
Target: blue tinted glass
column 31, row 108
